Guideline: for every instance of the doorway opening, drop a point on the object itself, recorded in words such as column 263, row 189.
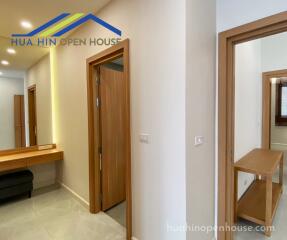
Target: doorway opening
column 228, row 41
column 109, row 134
column 269, row 78
column 32, row 115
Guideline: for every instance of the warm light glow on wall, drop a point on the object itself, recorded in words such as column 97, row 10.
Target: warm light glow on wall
column 53, row 93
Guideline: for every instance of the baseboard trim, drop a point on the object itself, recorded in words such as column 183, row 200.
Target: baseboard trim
column 75, row 195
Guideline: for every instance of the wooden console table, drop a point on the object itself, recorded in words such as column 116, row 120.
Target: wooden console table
column 259, row 203
column 26, row 157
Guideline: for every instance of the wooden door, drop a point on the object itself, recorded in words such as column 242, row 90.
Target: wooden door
column 114, row 139
column 19, row 121
column 32, row 115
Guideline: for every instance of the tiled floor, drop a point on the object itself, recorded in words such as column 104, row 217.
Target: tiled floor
column 118, row 213
column 55, row 215
column 280, row 222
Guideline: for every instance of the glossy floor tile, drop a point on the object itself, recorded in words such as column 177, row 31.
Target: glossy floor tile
column 55, row 215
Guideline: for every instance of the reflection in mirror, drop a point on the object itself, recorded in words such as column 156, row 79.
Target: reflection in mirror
column 25, row 96
column 260, row 118
column 12, row 117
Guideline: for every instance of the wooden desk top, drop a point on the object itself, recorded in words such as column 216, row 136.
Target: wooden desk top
column 27, row 159
column 260, row 161
column 16, row 156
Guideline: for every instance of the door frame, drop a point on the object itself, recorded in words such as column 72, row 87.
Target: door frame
column 32, row 88
column 226, row 78
column 266, row 104
column 120, row 49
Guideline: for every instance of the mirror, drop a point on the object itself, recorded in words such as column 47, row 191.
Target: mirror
column 25, row 96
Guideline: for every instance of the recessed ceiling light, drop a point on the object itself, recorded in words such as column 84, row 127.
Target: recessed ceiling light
column 4, row 62
column 26, row 24
column 1, row 73
column 11, row 50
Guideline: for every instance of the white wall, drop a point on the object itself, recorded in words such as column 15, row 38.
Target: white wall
column 157, row 35
column 233, row 13
column 8, row 88
column 200, row 115
column 274, row 52
column 7, row 73
column 248, row 104
column 39, row 74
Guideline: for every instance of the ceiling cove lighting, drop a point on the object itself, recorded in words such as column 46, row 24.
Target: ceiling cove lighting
column 11, row 51
column 4, row 62
column 26, row 24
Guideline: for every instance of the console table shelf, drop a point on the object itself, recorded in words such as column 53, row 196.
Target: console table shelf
column 253, row 208
column 259, row 203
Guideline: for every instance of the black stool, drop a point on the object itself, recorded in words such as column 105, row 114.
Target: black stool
column 17, row 183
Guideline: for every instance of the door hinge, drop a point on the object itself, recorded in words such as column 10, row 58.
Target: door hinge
column 100, row 162
column 98, row 102
column 100, row 157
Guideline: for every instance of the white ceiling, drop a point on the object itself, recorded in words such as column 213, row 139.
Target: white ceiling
column 38, row 13
column 24, row 58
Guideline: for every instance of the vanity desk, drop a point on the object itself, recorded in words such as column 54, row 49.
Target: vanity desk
column 26, row 157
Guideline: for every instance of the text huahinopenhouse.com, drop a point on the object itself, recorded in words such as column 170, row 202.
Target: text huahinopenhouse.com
column 209, row 229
